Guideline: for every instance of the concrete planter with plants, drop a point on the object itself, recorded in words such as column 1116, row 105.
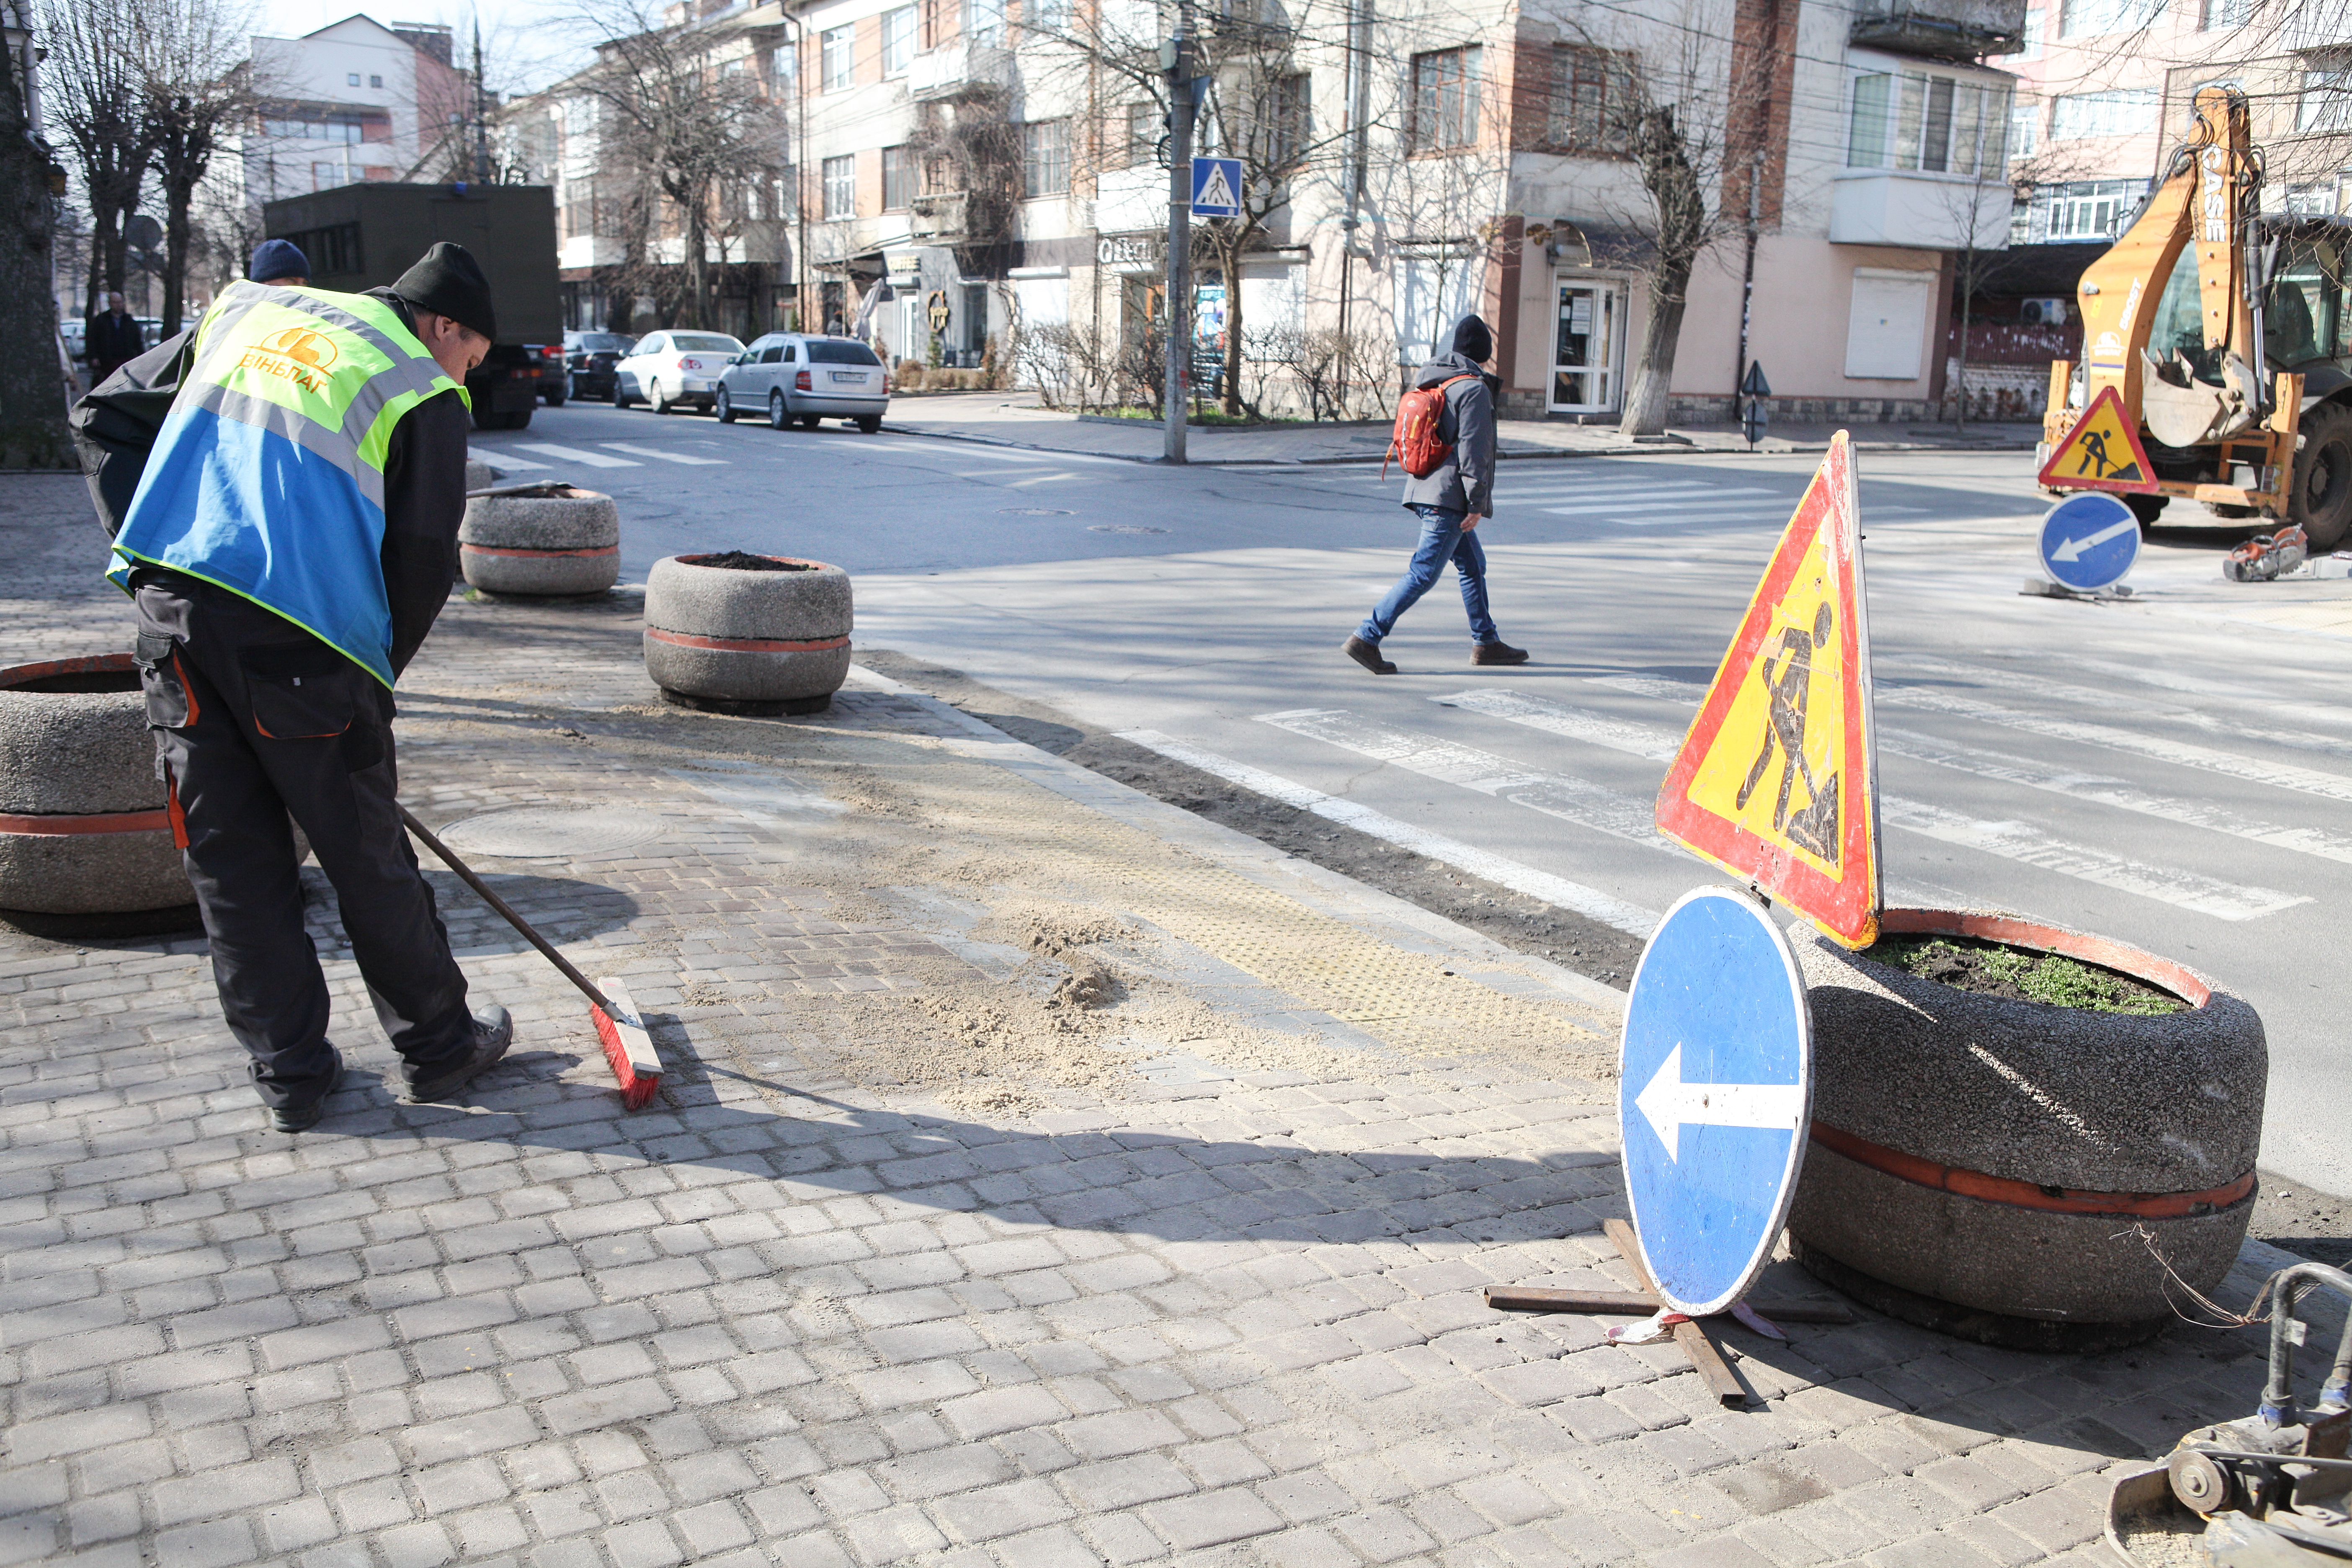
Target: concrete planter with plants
column 2049, row 1154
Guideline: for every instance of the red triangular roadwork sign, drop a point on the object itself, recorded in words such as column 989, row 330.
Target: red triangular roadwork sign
column 1778, row 779
column 2102, row 452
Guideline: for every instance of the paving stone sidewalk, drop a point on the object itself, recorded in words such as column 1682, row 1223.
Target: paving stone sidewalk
column 1016, row 418
column 787, row 1315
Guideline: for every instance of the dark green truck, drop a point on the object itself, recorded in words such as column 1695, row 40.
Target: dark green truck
column 362, row 236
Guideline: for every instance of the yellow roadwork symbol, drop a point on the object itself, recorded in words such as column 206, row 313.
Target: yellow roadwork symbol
column 1777, row 781
column 2102, row 452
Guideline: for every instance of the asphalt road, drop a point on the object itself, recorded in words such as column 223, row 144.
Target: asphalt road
column 2159, row 772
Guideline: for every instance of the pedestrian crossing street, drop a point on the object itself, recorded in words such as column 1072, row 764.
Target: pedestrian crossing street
column 1582, row 778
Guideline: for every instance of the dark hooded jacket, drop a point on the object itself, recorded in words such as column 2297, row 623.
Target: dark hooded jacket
column 1465, row 482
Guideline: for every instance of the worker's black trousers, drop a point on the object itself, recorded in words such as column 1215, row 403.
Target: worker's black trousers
column 257, row 720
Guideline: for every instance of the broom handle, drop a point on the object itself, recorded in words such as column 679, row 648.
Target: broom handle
column 512, row 919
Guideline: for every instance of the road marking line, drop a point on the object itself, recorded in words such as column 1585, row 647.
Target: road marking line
column 2120, row 705
column 1666, row 515
column 1590, row 902
column 1038, row 479
column 498, row 458
column 2010, row 840
column 574, row 455
column 664, row 457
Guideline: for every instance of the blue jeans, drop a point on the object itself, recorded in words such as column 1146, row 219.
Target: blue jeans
column 1442, row 538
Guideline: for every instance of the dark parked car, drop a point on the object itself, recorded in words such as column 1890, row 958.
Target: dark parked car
column 555, row 372
column 588, row 361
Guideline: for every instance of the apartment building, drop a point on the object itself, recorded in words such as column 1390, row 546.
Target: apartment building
column 355, row 101
column 955, row 169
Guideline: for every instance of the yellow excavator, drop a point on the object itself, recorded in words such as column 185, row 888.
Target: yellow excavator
column 2227, row 334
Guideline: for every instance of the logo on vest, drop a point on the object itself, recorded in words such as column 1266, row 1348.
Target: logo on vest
column 294, row 352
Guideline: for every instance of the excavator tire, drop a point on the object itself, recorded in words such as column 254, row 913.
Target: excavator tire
column 2321, row 498
column 2148, row 508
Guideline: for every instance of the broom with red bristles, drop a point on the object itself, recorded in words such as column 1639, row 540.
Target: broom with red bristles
column 626, row 1045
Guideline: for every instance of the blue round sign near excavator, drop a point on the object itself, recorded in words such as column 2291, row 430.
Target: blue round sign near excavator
column 2089, row 541
column 1715, row 1096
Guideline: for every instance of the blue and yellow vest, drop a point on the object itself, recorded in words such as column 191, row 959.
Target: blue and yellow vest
column 268, row 476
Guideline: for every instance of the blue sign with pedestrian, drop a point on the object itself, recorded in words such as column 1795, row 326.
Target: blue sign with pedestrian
column 1714, row 1097
column 2089, row 541
column 1216, row 187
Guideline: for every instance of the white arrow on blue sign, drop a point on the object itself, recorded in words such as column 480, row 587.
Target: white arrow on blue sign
column 2089, row 541
column 1715, row 1096
column 1216, row 187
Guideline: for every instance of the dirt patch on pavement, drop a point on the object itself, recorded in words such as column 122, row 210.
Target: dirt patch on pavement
column 2308, row 1224
column 1519, row 922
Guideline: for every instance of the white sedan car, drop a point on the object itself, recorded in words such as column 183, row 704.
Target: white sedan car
column 667, row 368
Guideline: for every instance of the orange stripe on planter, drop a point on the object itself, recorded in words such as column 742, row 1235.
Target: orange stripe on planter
column 2025, row 1195
column 535, row 554
column 744, row 644
column 106, row 822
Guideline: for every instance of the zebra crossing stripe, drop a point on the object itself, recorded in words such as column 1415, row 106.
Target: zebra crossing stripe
column 2009, row 841
column 1558, row 891
column 578, row 454
column 2121, row 705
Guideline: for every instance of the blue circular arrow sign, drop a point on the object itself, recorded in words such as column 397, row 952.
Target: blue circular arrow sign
column 2089, row 541
column 1715, row 1096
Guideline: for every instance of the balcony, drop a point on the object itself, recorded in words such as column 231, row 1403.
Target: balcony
column 957, row 68
column 943, row 219
column 1940, row 29
column 1921, row 212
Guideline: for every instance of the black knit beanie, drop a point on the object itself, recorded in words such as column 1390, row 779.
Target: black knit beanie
column 1473, row 342
column 448, row 282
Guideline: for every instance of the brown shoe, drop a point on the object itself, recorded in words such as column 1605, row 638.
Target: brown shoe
column 1368, row 653
column 1496, row 652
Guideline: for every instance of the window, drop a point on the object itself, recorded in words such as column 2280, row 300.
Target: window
column 1285, row 114
column 2221, row 14
column 352, row 80
column 1145, row 126
column 349, row 131
column 2325, row 102
column 771, row 354
column 1047, row 15
column 1936, row 124
column 1591, row 91
column 823, row 351
column 2084, row 209
column 326, row 176
column 841, row 187
column 2125, row 112
column 898, row 179
column 1046, row 157
column 2036, row 20
column 939, row 22
column 1444, row 99
column 986, row 20
column 836, row 45
column 784, row 70
column 898, row 41
column 375, row 81
column 2024, row 129
column 2082, row 18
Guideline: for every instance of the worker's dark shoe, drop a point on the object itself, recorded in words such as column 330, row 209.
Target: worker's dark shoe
column 1368, row 653
column 303, row 1118
column 493, row 1032
column 1496, row 652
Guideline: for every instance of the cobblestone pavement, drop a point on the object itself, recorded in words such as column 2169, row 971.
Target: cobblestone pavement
column 1017, row 417
column 1207, row 1313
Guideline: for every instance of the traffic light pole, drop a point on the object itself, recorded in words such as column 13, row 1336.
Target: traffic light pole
column 1176, row 396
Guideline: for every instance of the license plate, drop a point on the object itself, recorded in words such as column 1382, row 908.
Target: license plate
column 850, row 377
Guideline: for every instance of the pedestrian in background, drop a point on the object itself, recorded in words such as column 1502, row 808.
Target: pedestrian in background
column 1451, row 500
column 111, row 339
column 290, row 546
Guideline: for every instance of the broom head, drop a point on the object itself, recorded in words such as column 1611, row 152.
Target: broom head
column 627, row 1047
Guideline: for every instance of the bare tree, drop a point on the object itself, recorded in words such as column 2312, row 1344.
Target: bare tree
column 195, row 90
column 32, row 378
column 96, row 82
column 689, row 128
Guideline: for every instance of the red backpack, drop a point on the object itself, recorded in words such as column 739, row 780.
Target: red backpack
column 1414, row 443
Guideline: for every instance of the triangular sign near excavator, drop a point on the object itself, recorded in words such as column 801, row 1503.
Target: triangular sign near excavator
column 2102, row 452
column 1777, row 781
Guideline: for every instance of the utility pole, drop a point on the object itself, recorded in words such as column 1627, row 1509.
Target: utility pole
column 1176, row 61
column 481, row 113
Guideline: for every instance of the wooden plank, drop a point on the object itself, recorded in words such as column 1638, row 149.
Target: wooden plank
column 1542, row 1298
column 1695, row 1341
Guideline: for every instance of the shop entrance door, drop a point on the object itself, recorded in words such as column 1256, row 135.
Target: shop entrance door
column 1585, row 348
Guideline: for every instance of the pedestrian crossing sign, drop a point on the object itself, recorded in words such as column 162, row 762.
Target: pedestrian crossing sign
column 2102, row 452
column 1216, row 187
column 1778, row 779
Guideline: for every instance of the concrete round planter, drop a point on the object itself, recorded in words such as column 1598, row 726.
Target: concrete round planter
column 735, row 640
column 555, row 543
column 85, row 840
column 2009, row 1171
